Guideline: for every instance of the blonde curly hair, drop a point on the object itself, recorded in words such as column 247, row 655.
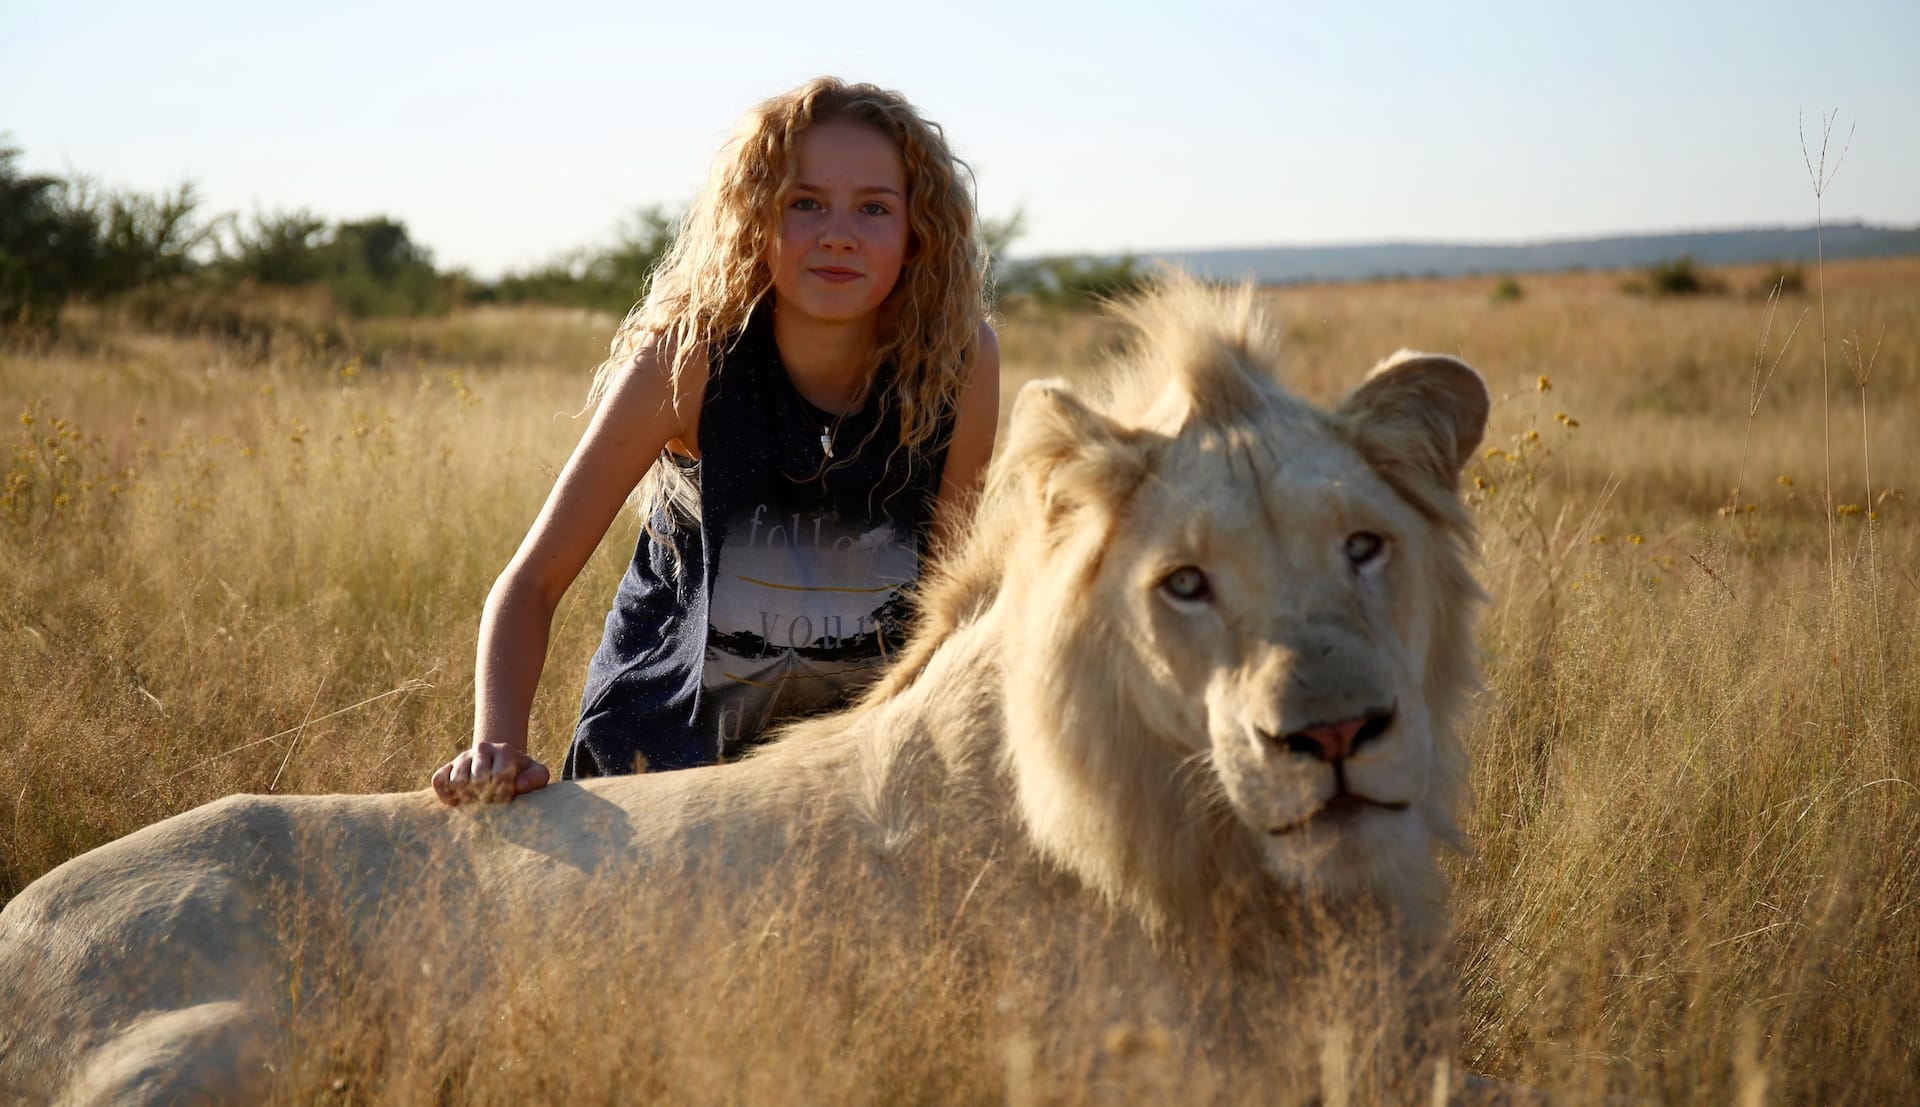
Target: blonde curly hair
column 715, row 273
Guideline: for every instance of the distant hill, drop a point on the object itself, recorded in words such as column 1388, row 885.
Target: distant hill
column 1289, row 264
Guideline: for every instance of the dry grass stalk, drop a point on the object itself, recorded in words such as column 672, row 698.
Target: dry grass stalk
column 1822, row 178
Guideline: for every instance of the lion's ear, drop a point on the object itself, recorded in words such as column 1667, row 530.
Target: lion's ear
column 1070, row 455
column 1420, row 412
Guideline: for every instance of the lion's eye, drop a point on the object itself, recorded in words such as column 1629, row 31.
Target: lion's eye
column 1186, row 583
column 1363, row 546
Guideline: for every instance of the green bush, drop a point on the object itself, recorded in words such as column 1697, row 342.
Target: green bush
column 1071, row 283
column 67, row 237
column 611, row 279
column 145, row 239
column 370, row 266
column 47, row 246
column 374, row 268
column 282, row 248
column 1787, row 280
column 62, row 238
column 1676, row 277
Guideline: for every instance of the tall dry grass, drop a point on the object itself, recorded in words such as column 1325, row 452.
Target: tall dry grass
column 260, row 567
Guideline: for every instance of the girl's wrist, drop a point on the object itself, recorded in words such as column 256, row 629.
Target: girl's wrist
column 517, row 743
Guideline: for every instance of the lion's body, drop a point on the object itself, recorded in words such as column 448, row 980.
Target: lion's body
column 1073, row 738
column 188, row 941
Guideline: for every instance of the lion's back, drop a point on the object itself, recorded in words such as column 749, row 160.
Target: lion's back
column 159, row 919
column 190, row 913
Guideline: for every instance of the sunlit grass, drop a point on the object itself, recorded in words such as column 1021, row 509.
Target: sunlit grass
column 259, row 566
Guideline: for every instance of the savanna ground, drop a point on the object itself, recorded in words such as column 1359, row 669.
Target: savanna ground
column 258, row 565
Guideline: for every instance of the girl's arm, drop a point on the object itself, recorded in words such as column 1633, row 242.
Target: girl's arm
column 636, row 419
column 973, row 431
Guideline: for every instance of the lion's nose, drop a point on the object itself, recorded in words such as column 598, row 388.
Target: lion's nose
column 1338, row 741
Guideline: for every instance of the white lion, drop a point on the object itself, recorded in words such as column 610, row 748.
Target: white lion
column 1200, row 661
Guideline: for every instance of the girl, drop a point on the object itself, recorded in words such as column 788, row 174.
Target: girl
column 807, row 398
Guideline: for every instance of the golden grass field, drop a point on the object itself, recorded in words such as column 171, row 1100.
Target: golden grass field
column 1695, row 874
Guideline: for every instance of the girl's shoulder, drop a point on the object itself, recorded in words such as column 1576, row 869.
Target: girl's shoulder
column 649, row 382
column 982, row 367
column 987, row 353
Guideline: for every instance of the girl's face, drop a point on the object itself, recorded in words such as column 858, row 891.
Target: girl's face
column 843, row 233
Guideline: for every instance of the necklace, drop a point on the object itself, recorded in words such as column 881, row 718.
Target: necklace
column 826, row 440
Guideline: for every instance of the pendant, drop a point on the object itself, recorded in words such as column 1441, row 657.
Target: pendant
column 826, row 441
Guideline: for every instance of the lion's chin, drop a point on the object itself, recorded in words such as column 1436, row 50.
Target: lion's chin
column 1341, row 810
column 1347, row 846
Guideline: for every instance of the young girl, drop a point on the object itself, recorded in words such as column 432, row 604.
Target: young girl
column 810, row 392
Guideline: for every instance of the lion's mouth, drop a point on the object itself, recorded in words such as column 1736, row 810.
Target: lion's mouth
column 1341, row 807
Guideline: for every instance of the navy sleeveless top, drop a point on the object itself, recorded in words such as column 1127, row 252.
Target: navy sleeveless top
column 790, row 589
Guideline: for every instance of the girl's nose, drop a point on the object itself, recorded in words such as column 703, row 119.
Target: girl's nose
column 838, row 234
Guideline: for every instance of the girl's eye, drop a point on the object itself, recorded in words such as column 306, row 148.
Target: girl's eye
column 1363, row 546
column 874, row 207
column 1187, row 584
column 805, row 203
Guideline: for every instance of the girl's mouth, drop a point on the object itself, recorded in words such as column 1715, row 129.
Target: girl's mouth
column 836, row 274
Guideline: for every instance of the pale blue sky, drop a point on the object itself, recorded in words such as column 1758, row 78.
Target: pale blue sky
column 504, row 133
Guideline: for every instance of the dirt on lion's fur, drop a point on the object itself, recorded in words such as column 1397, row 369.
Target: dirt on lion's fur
column 1692, row 871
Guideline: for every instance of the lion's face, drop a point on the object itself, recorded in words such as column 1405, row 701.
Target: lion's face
column 1279, row 589
column 1274, row 598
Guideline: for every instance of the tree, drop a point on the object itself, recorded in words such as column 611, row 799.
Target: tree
column 372, row 266
column 147, row 239
column 375, row 268
column 997, row 236
column 47, row 246
column 1056, row 282
column 280, row 248
column 610, row 279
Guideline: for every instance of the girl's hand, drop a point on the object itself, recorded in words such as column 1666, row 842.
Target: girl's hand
column 490, row 772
